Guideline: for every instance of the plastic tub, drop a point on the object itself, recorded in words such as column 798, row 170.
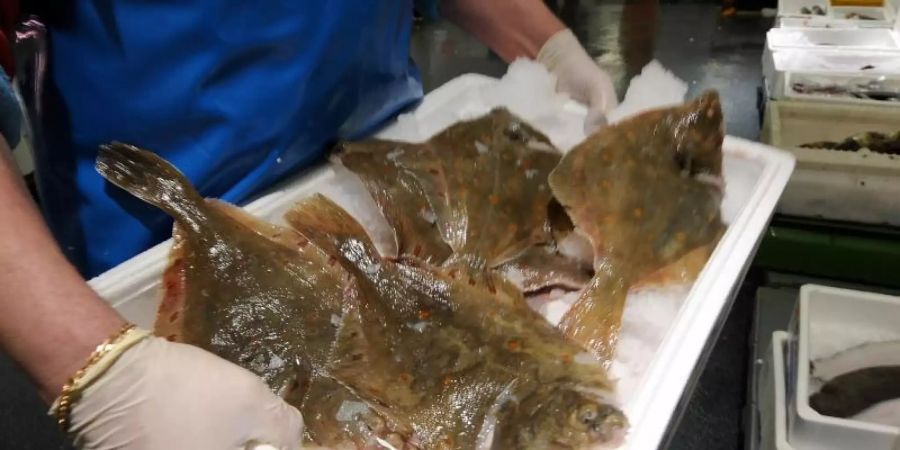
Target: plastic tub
column 831, row 320
column 859, row 186
column 773, row 408
column 755, row 177
column 837, row 38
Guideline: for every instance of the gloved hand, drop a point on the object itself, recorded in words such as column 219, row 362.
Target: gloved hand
column 579, row 76
column 163, row 395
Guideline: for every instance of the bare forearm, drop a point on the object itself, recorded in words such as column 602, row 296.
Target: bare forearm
column 512, row 28
column 50, row 320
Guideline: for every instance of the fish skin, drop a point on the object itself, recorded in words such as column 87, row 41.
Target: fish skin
column 484, row 179
column 462, row 349
column 851, row 393
column 398, row 194
column 254, row 294
column 656, row 207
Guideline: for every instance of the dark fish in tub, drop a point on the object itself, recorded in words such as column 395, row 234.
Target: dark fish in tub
column 480, row 363
column 647, row 193
column 484, row 182
column 851, row 393
column 255, row 294
column 873, row 141
column 372, row 352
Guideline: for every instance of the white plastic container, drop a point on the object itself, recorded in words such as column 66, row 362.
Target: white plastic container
column 773, row 408
column 831, row 320
column 783, row 66
column 840, row 185
column 791, row 14
column 833, row 38
column 755, row 176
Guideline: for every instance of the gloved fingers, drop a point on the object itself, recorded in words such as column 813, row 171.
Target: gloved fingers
column 277, row 424
column 602, row 100
column 595, row 120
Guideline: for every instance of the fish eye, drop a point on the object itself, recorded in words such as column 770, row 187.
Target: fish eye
column 587, row 414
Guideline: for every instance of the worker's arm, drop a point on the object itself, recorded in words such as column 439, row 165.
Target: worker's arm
column 527, row 28
column 512, row 28
column 153, row 393
column 51, row 320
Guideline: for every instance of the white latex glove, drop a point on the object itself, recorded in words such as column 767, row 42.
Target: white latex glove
column 160, row 395
column 579, row 76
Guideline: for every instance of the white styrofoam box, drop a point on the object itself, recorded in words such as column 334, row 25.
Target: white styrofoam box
column 780, row 65
column 791, row 14
column 842, row 39
column 854, row 186
column 831, row 320
column 772, row 405
column 755, row 176
column 859, row 81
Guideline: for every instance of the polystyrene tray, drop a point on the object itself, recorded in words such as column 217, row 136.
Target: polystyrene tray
column 755, row 176
column 773, row 430
column 781, row 66
column 790, row 15
column 860, row 317
column 854, row 186
column 833, row 38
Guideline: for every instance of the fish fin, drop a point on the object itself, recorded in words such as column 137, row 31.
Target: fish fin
column 542, row 267
column 596, row 317
column 325, row 223
column 170, row 315
column 149, row 178
column 278, row 234
column 361, row 357
column 683, row 270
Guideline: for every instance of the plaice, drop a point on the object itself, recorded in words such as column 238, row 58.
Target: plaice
column 646, row 192
column 485, row 184
column 466, row 354
column 255, row 294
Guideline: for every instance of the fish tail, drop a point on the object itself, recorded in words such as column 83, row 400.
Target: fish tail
column 149, row 178
column 596, row 317
column 331, row 228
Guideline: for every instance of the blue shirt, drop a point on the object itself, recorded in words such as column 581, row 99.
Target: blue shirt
column 238, row 95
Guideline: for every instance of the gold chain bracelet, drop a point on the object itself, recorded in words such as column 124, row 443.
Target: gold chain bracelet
column 70, row 394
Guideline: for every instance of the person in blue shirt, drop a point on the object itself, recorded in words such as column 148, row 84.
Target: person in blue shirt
column 239, row 96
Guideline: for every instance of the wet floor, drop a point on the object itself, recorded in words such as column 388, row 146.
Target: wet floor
column 687, row 37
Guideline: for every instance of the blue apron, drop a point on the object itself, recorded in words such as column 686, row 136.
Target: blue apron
column 236, row 94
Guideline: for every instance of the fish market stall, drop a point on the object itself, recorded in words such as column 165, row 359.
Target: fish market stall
column 666, row 329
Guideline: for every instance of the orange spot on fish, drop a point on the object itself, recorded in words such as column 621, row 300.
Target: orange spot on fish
column 452, row 273
column 681, row 236
column 433, row 171
column 424, row 314
column 171, row 337
column 417, row 250
column 447, row 381
column 405, row 377
column 513, row 345
column 331, row 260
column 302, row 243
column 567, row 359
column 494, row 199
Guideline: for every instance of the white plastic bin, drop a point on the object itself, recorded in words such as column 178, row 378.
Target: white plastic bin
column 755, row 176
column 840, row 185
column 772, row 408
column 831, row 320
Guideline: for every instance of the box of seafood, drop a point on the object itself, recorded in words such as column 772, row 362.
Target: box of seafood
column 458, row 255
column 823, row 14
column 848, row 159
column 845, row 391
column 864, row 77
column 773, row 393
